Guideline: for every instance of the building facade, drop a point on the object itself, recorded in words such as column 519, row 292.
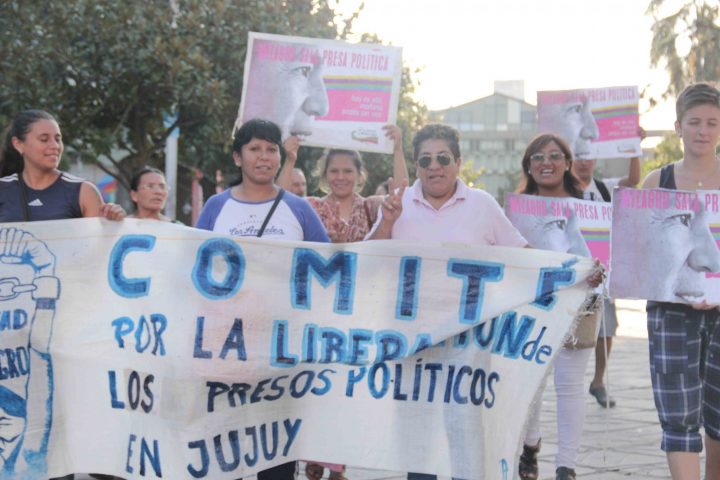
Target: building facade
column 494, row 132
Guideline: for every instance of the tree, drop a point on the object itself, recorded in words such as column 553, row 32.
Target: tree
column 667, row 151
column 112, row 71
column 686, row 42
column 470, row 175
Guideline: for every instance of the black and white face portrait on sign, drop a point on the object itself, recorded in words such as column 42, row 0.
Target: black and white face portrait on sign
column 663, row 247
column 285, row 86
column 573, row 120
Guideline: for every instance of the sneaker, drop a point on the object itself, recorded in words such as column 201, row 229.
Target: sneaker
column 528, row 465
column 601, row 396
column 564, row 473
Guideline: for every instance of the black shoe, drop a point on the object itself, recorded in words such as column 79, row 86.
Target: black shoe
column 601, row 396
column 528, row 465
column 564, row 473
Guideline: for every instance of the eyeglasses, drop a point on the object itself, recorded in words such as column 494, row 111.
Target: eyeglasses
column 552, row 156
column 154, row 186
column 443, row 160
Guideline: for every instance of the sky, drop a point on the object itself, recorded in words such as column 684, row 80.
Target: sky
column 463, row 46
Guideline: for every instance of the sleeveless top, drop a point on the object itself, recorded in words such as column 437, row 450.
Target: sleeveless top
column 667, row 177
column 61, row 200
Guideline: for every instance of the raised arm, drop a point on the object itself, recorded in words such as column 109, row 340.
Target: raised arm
column 291, row 146
column 633, row 176
column 400, row 170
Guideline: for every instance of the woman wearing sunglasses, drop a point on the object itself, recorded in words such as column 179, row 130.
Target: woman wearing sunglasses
column 346, row 215
column 547, row 172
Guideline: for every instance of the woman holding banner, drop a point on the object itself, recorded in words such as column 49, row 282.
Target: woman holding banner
column 346, row 215
column 684, row 339
column 257, row 207
column 547, row 172
column 32, row 188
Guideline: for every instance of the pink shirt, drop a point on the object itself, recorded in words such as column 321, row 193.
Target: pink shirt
column 469, row 216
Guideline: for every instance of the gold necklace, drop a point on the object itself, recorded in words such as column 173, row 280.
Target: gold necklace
column 700, row 182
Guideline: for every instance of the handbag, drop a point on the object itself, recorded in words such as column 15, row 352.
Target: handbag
column 584, row 330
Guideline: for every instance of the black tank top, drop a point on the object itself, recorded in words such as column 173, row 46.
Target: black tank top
column 667, row 177
column 59, row 201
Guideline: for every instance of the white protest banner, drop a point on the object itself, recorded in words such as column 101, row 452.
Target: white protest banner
column 596, row 122
column 329, row 92
column 664, row 245
column 145, row 350
column 568, row 225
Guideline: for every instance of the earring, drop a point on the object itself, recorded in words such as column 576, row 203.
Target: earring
column 529, row 172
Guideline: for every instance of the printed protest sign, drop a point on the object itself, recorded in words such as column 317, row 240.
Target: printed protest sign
column 596, row 122
column 145, row 350
column 329, row 92
column 568, row 225
column 664, row 245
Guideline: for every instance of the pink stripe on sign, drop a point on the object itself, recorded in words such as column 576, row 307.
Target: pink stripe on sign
column 358, row 106
column 601, row 251
column 617, row 128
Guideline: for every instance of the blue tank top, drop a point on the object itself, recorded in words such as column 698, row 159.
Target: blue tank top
column 59, row 201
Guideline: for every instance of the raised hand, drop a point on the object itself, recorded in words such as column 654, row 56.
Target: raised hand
column 598, row 275
column 291, row 146
column 392, row 204
column 394, row 133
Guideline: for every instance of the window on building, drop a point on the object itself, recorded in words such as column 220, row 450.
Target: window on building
column 513, row 112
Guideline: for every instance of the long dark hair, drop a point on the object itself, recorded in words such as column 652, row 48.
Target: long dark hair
column 10, row 159
column 571, row 183
column 260, row 129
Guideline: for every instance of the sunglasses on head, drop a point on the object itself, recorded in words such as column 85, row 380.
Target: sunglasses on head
column 426, row 160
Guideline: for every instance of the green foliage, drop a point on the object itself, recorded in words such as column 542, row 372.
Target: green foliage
column 694, row 27
column 112, row 70
column 667, row 151
column 513, row 180
column 470, row 175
